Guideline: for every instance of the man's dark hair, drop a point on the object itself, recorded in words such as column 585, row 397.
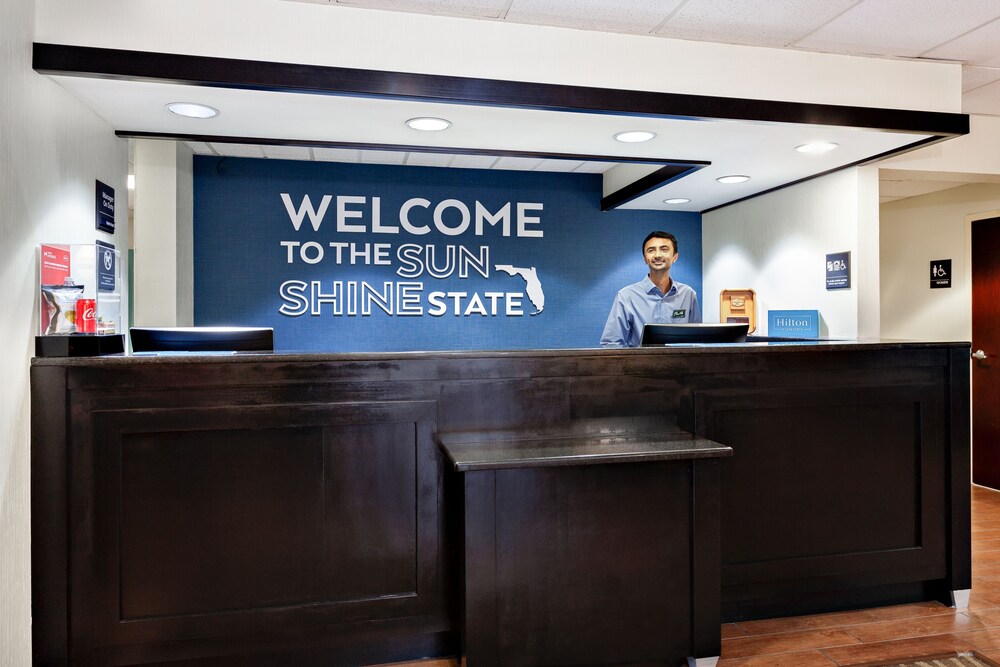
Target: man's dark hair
column 660, row 235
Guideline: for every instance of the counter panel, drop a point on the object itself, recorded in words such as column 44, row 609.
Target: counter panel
column 262, row 508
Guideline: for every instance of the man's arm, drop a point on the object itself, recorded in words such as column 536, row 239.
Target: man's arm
column 617, row 328
column 695, row 310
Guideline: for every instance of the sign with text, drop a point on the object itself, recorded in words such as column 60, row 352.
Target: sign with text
column 105, row 267
column 348, row 257
column 940, row 273
column 105, row 208
column 793, row 323
column 838, row 270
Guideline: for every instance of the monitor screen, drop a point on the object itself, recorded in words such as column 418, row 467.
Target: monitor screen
column 202, row 339
column 667, row 334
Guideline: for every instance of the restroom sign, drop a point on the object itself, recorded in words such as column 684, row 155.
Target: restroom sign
column 940, row 273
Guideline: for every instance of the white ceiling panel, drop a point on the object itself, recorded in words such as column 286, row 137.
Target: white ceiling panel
column 428, row 159
column 753, row 22
column 336, row 154
column 974, row 77
column 517, row 163
column 900, row 27
column 627, row 16
column 982, row 100
column 474, row 161
column 559, row 165
column 477, row 8
column 200, row 148
column 912, row 188
column 593, row 167
column 977, row 47
column 287, row 152
column 382, row 157
column 764, row 151
column 239, row 150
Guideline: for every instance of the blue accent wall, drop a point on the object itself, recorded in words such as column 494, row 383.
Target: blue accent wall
column 244, row 234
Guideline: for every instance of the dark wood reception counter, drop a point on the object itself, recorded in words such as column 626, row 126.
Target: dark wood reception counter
column 297, row 509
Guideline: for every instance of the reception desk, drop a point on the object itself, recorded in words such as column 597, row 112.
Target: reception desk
column 267, row 509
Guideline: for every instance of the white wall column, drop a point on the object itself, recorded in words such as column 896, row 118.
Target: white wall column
column 164, row 247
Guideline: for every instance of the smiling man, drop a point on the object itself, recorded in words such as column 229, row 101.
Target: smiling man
column 657, row 298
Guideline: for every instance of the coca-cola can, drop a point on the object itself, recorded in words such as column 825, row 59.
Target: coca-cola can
column 86, row 316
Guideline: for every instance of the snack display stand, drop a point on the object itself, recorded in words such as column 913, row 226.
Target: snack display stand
column 80, row 301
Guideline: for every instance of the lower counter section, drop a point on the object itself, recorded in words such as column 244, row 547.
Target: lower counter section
column 295, row 508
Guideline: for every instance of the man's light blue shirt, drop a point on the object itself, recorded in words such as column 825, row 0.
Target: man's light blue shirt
column 643, row 303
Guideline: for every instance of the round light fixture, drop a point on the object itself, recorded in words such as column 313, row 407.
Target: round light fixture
column 676, row 200
column 192, row 110
column 428, row 124
column 635, row 136
column 816, row 147
column 735, row 178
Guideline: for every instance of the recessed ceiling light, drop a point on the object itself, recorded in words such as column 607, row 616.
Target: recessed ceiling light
column 192, row 110
column 816, row 147
column 676, row 200
column 428, row 124
column 635, row 137
column 735, row 178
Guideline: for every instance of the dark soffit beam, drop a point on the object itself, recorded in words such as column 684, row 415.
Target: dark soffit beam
column 312, row 143
column 648, row 183
column 67, row 60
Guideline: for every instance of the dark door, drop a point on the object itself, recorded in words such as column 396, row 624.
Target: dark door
column 986, row 341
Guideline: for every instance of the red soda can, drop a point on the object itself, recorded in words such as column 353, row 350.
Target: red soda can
column 86, row 316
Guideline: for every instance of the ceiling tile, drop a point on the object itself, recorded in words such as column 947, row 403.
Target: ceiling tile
column 594, row 167
column 900, row 27
column 974, row 77
column 558, row 165
column 200, row 148
column 474, row 161
column 982, row 100
column 382, row 157
column 754, row 22
column 913, row 188
column 239, row 150
column 628, row 16
column 478, row 8
column 977, row 47
column 287, row 152
column 518, row 163
column 336, row 154
column 428, row 159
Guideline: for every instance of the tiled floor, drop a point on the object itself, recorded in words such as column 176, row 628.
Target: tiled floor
column 879, row 635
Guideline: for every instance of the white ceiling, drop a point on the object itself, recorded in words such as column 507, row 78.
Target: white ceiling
column 967, row 31
column 962, row 30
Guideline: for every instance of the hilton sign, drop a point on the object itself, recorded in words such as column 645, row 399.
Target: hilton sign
column 793, row 323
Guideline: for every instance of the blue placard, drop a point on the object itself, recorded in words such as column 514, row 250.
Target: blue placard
column 105, row 208
column 793, row 323
column 105, row 267
column 838, row 270
column 368, row 258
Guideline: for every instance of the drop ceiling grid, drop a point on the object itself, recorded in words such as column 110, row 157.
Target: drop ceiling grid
column 755, row 23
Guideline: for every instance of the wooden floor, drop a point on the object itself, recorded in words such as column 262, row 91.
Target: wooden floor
column 880, row 635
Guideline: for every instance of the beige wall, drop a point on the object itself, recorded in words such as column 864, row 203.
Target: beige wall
column 52, row 149
column 164, row 241
column 915, row 231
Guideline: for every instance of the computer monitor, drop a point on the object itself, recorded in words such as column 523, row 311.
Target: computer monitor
column 202, row 339
column 668, row 334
